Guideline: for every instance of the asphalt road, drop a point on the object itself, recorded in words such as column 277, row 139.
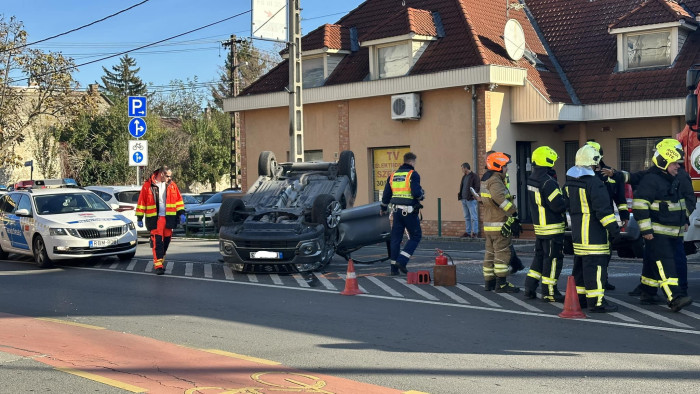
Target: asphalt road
column 397, row 336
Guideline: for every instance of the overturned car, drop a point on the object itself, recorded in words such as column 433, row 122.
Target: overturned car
column 297, row 216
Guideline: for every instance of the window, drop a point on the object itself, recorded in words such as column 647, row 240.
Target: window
column 393, row 61
column 570, row 149
column 648, row 49
column 25, row 203
column 313, row 72
column 635, row 153
column 384, row 162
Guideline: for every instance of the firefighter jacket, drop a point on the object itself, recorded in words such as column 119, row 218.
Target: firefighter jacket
column 615, row 186
column 658, row 205
column 497, row 201
column 592, row 216
column 403, row 188
column 546, row 203
column 148, row 204
column 685, row 186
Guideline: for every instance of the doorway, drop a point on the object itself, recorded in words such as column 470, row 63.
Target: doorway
column 523, row 152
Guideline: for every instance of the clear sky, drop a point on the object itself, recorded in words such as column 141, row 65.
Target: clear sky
column 197, row 54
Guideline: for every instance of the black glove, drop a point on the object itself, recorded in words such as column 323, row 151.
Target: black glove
column 511, row 227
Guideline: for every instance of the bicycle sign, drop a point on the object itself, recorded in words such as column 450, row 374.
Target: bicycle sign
column 138, row 153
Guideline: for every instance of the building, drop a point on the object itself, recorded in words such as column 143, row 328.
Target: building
column 452, row 79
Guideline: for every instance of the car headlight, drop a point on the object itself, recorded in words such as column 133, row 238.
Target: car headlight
column 131, row 226
column 57, row 231
column 210, row 210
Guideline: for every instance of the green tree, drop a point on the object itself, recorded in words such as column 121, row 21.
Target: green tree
column 181, row 99
column 122, row 81
column 209, row 148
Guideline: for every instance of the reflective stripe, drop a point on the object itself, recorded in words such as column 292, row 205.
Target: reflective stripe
column 672, row 206
column 640, row 204
column 626, row 175
column 672, row 231
column 649, row 281
column 499, row 268
column 405, row 254
column 586, row 217
column 585, row 250
column 483, row 194
column 548, row 281
column 493, row 226
column 622, row 207
column 644, row 224
column 580, row 290
column 542, row 215
column 534, row 274
column 607, row 220
column 549, row 229
column 505, row 205
column 554, row 194
column 610, row 180
column 664, row 283
column 401, row 184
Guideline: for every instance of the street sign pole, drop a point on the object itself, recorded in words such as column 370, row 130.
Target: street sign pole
column 138, row 150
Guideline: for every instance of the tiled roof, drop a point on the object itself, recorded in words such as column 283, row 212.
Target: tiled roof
column 325, row 36
column 652, row 12
column 407, row 20
column 577, row 32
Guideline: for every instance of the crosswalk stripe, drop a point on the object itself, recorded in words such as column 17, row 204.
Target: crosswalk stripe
column 477, row 295
column 520, row 302
column 189, row 267
column 650, row 314
column 362, row 289
column 114, row 266
column 276, row 279
column 149, row 267
column 384, row 287
column 228, row 273
column 417, row 289
column 325, row 282
column 451, row 295
column 253, row 278
column 131, row 265
column 169, row 267
column 207, row 271
column 614, row 314
column 300, row 280
column 690, row 314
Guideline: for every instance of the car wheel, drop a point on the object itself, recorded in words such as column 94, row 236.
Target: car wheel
column 326, row 210
column 41, row 256
column 330, row 239
column 127, row 256
column 346, row 166
column 228, row 213
column 266, row 163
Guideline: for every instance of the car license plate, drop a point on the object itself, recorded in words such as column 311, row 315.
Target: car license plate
column 101, row 243
column 263, row 254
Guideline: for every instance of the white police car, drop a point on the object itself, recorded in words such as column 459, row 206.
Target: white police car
column 61, row 224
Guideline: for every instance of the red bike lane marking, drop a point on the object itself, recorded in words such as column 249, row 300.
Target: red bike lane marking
column 144, row 364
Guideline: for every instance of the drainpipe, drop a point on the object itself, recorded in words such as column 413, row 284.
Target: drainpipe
column 475, row 148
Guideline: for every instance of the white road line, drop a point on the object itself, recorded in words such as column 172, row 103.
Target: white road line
column 520, row 302
column 362, row 289
column 207, row 271
column 384, row 286
column 169, row 267
column 477, row 295
column 417, row 289
column 650, row 314
column 614, row 314
column 131, row 265
column 149, row 267
column 114, row 266
column 276, row 279
column 327, row 283
column 452, row 295
column 188, row 269
column 228, row 273
column 300, row 280
column 253, row 278
column 690, row 314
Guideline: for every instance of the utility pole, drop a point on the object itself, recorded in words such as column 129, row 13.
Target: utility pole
column 296, row 110
column 235, row 118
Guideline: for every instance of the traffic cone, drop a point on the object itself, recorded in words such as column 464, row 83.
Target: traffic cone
column 572, row 308
column 351, row 287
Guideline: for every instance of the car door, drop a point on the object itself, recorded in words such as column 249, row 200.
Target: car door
column 13, row 226
column 4, row 240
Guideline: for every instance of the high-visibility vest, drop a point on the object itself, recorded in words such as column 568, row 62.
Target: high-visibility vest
column 401, row 184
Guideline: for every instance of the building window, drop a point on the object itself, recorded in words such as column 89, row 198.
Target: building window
column 648, row 49
column 393, row 61
column 313, row 75
column 635, row 153
column 570, row 149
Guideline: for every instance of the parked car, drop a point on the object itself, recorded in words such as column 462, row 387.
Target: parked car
column 190, row 200
column 63, row 223
column 206, row 215
column 297, row 216
column 204, row 196
column 125, row 197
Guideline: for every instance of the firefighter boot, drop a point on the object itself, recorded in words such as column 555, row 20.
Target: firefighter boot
column 679, row 303
column 649, row 299
column 158, row 265
column 530, row 286
column 503, row 286
column 556, row 296
column 604, row 307
column 489, row 284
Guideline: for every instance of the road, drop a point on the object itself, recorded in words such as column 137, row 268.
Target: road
column 111, row 327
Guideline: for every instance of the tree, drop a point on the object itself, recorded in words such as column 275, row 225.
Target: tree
column 181, row 99
column 209, row 154
column 123, row 82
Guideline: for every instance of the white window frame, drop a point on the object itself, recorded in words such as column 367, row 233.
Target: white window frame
column 323, row 68
column 374, row 61
column 623, row 33
column 673, row 47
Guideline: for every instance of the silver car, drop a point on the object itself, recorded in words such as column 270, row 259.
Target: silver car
column 206, row 215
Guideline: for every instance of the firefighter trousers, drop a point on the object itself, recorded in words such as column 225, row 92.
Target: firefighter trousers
column 160, row 240
column 411, row 224
column 546, row 265
column 590, row 273
column 659, row 267
column 497, row 255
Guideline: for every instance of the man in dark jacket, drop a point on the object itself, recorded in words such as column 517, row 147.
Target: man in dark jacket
column 470, row 206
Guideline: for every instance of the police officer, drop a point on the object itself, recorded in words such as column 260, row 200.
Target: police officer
column 402, row 194
column 500, row 223
column 592, row 224
column 661, row 213
column 547, row 208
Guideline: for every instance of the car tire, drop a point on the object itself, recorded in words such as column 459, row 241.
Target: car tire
column 41, row 255
column 346, row 166
column 326, row 210
column 227, row 213
column 127, row 256
column 266, row 163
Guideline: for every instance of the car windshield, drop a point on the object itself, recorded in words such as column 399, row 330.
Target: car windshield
column 129, row 197
column 187, row 199
column 53, row 204
column 215, row 199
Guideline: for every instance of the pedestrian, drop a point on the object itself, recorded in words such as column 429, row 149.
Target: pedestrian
column 470, row 208
column 500, row 224
column 661, row 213
column 548, row 210
column 593, row 224
column 161, row 203
column 402, row 195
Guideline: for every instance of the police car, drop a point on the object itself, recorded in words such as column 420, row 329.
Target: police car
column 61, row 224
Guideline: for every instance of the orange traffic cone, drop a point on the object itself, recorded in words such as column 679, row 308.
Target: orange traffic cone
column 572, row 308
column 351, row 287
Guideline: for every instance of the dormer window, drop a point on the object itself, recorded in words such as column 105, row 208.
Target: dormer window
column 312, row 72
column 393, row 60
column 648, row 49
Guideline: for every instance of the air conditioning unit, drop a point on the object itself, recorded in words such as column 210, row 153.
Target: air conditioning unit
column 405, row 106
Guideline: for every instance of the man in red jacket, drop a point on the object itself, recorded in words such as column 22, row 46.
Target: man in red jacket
column 161, row 203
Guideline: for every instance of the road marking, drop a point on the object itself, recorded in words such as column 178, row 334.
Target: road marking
column 114, row 265
column 276, row 279
column 300, row 280
column 477, row 295
column 149, row 266
column 102, row 379
column 228, row 274
column 169, row 267
column 327, row 283
column 650, row 314
column 131, row 265
column 520, row 302
column 207, row 271
column 451, row 295
column 70, row 323
column 614, row 314
column 188, row 269
column 690, row 314
column 362, row 289
column 384, row 287
column 417, row 289
column 253, row 278
column 241, row 357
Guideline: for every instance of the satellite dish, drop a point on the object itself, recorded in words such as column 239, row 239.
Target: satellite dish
column 515, row 39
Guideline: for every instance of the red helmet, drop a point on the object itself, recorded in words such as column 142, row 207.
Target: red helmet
column 496, row 161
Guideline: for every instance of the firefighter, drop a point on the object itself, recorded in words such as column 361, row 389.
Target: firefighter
column 547, row 208
column 500, row 224
column 593, row 223
column 403, row 194
column 660, row 211
column 161, row 203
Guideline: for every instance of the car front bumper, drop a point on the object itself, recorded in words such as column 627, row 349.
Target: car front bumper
column 64, row 247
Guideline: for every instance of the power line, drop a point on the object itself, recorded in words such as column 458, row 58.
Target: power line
column 77, row 28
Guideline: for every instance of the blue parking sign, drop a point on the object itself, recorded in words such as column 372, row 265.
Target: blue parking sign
column 137, row 127
column 137, row 106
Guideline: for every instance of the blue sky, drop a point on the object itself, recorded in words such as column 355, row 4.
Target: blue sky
column 197, row 54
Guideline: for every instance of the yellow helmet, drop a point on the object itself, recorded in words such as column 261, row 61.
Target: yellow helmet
column 587, row 155
column 596, row 146
column 544, row 156
column 668, row 151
